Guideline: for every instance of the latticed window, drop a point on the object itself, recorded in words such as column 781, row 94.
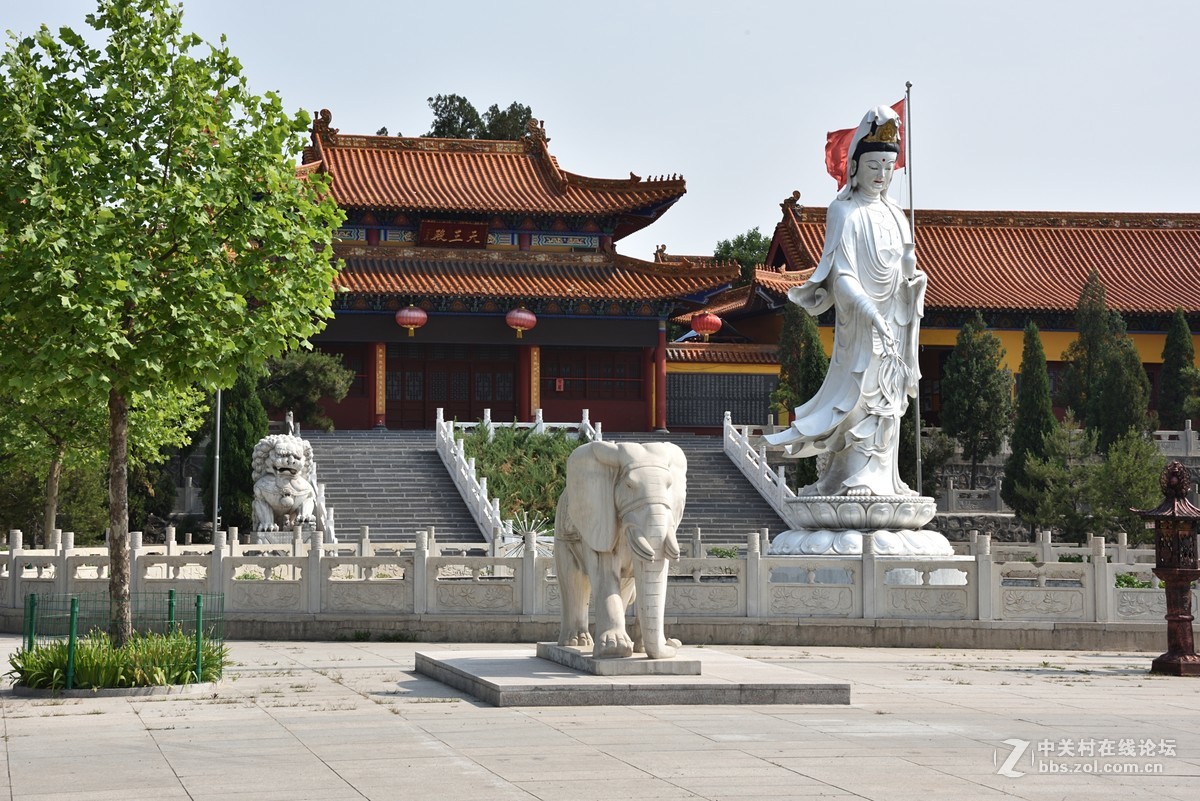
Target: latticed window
column 592, row 374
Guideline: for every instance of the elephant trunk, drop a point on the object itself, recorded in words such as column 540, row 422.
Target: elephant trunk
column 651, row 606
column 652, row 540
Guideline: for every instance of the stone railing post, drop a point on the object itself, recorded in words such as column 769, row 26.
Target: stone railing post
column 529, row 576
column 420, row 573
column 1045, row 546
column 16, row 549
column 539, row 425
column 781, row 487
column 55, row 539
column 216, row 569
column 135, row 565
column 984, row 576
column 753, row 577
column 365, row 547
column 171, row 543
column 313, row 574
column 297, row 543
column 1123, row 549
column 487, row 424
column 232, row 540
column 1103, row 581
column 869, row 569
column 697, row 547
column 1188, row 446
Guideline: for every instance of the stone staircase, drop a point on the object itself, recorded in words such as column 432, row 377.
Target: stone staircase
column 721, row 502
column 395, row 483
column 392, row 481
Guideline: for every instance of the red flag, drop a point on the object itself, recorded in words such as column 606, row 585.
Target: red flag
column 837, row 148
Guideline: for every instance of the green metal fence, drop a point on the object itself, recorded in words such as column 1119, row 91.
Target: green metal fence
column 53, row 618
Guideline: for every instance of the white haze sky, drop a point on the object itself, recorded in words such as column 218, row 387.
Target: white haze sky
column 1016, row 104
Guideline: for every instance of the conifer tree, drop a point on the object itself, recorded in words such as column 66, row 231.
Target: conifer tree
column 1034, row 422
column 1122, row 396
column 977, row 394
column 802, row 367
column 243, row 424
column 1175, row 386
column 1062, row 483
column 1085, row 356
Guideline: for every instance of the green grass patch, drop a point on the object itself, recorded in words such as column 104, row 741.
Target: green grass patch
column 146, row 660
column 525, row 470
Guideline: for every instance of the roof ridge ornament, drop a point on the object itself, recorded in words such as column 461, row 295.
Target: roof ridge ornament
column 321, row 128
column 535, row 130
column 791, row 202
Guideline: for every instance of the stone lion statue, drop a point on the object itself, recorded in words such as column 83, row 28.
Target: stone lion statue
column 286, row 493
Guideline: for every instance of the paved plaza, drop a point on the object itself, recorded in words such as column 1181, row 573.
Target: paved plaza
column 352, row 720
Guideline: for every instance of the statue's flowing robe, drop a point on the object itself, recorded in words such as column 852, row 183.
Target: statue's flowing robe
column 855, row 415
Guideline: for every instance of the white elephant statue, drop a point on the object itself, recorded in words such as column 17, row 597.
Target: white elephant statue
column 614, row 537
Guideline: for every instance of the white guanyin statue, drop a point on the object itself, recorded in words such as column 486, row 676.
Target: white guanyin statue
column 868, row 274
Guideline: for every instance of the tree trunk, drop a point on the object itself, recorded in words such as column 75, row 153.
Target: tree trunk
column 50, row 517
column 120, row 614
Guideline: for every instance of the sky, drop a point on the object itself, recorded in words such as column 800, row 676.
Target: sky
column 1052, row 105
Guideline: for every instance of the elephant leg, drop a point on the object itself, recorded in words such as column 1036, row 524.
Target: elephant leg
column 574, row 591
column 611, row 637
column 651, row 607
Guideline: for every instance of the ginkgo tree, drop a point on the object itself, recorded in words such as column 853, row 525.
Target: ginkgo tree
column 154, row 232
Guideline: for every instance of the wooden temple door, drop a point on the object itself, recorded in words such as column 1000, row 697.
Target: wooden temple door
column 462, row 380
column 405, row 385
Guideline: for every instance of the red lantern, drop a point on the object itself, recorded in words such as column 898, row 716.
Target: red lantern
column 411, row 318
column 520, row 319
column 706, row 324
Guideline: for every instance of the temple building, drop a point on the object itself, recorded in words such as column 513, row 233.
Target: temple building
column 1013, row 266
column 481, row 275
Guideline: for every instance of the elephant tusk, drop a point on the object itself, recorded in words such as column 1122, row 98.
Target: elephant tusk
column 641, row 548
column 671, row 547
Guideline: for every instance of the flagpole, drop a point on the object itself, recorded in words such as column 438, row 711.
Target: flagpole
column 912, row 221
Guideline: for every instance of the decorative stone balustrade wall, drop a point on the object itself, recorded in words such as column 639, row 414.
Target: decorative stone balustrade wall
column 474, row 489
column 987, row 582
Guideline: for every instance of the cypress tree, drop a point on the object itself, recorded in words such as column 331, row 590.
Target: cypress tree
column 802, row 367
column 243, row 424
column 1084, row 356
column 1034, row 422
column 977, row 394
column 1121, row 399
column 1175, row 386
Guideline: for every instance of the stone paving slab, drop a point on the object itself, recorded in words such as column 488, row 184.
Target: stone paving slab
column 518, row 677
column 354, row 720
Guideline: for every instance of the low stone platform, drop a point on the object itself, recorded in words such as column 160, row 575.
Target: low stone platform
column 639, row 665
column 518, row 677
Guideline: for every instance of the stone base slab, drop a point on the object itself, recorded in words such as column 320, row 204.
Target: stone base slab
column 637, row 665
column 518, row 677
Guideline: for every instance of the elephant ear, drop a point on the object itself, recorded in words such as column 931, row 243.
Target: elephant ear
column 591, row 505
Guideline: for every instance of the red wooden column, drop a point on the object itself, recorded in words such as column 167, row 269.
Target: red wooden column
column 379, row 383
column 660, row 379
column 528, row 376
column 648, row 383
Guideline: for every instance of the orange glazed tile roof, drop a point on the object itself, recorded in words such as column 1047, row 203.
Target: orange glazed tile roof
column 1035, row 260
column 766, row 291
column 478, row 176
column 442, row 272
column 721, row 353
